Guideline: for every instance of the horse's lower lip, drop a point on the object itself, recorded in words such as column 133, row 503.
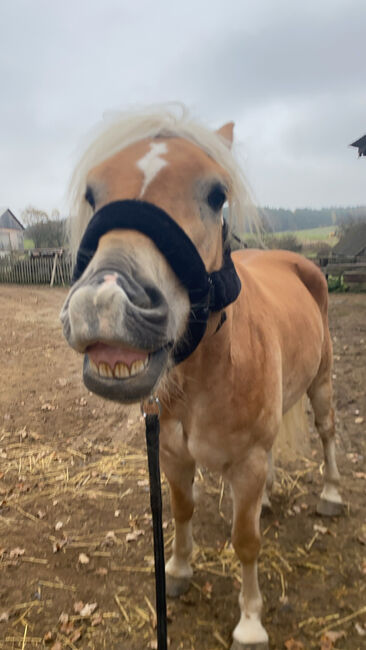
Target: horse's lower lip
column 127, row 389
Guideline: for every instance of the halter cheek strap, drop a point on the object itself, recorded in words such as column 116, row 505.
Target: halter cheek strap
column 208, row 292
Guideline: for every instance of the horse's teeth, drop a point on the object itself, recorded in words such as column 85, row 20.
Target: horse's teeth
column 121, row 370
column 94, row 366
column 137, row 366
column 105, row 370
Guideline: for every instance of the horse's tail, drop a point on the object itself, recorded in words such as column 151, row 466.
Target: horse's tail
column 293, row 439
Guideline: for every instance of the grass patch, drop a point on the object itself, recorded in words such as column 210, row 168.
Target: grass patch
column 324, row 234
column 336, row 284
column 28, row 244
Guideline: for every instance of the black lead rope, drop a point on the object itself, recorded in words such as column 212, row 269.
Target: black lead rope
column 152, row 425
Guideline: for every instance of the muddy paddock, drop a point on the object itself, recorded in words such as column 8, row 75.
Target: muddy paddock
column 75, row 528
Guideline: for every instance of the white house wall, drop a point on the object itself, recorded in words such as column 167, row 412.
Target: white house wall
column 11, row 239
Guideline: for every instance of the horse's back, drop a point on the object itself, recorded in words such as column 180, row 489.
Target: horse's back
column 270, row 269
column 284, row 305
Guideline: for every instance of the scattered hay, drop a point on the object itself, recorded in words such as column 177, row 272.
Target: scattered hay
column 35, row 477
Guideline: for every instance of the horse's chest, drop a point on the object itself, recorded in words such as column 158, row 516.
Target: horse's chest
column 207, row 451
column 211, row 444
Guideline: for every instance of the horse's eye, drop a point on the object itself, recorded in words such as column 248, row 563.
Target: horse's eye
column 216, row 198
column 89, row 197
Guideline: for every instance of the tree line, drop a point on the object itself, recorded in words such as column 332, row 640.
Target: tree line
column 280, row 219
column 45, row 230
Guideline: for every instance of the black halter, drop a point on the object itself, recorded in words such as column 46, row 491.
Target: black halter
column 208, row 292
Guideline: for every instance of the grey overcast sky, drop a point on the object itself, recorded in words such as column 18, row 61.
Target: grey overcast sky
column 292, row 75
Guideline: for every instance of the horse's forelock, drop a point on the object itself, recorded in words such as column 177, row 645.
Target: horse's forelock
column 120, row 130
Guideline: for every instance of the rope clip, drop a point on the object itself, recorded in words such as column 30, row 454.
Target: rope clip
column 151, row 406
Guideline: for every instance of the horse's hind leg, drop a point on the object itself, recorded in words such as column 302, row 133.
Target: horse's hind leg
column 266, row 497
column 320, row 394
column 179, row 468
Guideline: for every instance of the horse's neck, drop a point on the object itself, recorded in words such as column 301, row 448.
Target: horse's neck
column 185, row 381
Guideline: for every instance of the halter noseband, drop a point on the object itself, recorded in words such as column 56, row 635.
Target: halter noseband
column 208, row 292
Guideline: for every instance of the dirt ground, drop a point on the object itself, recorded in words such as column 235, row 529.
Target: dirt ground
column 75, row 526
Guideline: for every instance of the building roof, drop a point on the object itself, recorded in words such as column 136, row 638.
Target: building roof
column 353, row 241
column 8, row 220
column 361, row 145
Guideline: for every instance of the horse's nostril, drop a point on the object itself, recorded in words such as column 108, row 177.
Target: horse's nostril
column 155, row 297
column 145, row 297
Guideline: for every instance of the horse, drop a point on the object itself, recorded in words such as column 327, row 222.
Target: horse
column 226, row 372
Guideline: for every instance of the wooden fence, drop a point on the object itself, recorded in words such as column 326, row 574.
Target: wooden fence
column 352, row 270
column 49, row 270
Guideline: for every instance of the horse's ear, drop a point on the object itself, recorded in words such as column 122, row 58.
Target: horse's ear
column 227, row 132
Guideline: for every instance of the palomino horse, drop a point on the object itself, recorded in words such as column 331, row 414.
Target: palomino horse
column 226, row 372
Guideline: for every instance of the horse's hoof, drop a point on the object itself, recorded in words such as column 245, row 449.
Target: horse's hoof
column 266, row 504
column 266, row 508
column 329, row 508
column 176, row 587
column 249, row 646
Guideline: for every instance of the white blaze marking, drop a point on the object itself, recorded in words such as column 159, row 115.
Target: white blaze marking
column 151, row 163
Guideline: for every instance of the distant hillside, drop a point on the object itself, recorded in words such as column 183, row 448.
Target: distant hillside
column 279, row 219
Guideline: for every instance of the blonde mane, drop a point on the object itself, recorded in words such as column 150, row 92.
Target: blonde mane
column 123, row 129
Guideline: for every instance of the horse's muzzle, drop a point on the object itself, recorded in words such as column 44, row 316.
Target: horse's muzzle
column 121, row 325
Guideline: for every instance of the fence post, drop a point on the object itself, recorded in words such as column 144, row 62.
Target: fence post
column 54, row 270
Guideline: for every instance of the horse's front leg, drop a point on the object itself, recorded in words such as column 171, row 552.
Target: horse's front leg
column 179, row 468
column 247, row 480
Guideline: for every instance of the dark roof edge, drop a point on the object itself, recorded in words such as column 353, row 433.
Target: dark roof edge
column 14, row 217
